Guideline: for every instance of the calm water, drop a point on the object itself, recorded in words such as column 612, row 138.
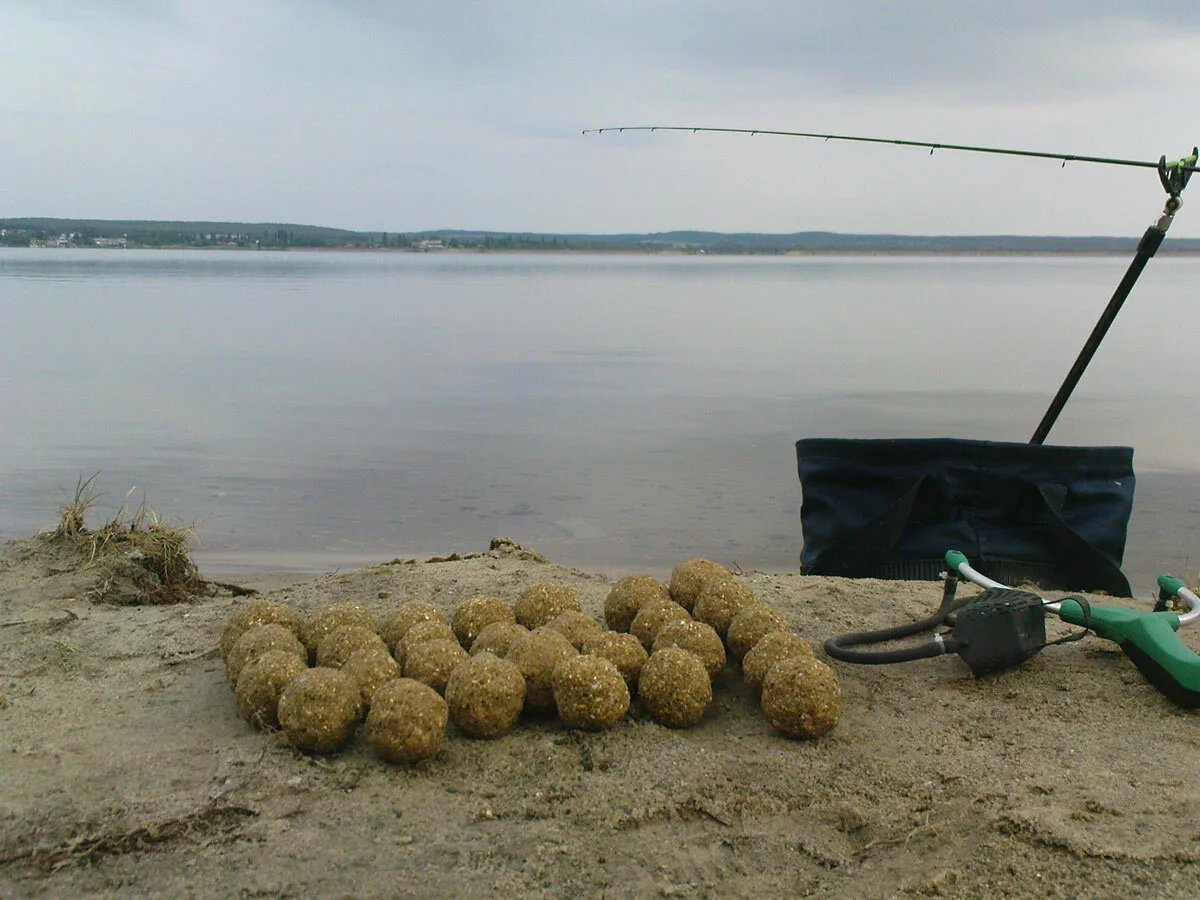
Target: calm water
column 314, row 410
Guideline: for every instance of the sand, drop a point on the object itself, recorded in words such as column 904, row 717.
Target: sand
column 126, row 770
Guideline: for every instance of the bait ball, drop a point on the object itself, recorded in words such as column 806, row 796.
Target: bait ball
column 698, row 639
column 257, row 641
column 622, row 650
column 371, row 666
column 257, row 612
column 801, row 697
column 653, row 616
column 485, row 695
column 689, row 577
column 431, row 662
column 720, row 600
column 576, row 627
column 262, row 681
column 539, row 604
column 748, row 627
column 675, row 687
column 407, row 721
column 471, row 617
column 498, row 638
column 536, row 655
column 419, row 634
column 628, row 596
column 335, row 648
column 773, row 647
column 330, row 619
column 320, row 709
column 396, row 625
column 589, row 692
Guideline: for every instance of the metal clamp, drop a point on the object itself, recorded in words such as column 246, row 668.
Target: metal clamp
column 1174, row 175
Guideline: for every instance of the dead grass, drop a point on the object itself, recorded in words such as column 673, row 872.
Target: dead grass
column 144, row 539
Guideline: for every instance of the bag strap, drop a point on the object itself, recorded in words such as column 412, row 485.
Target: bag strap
column 1085, row 564
column 862, row 551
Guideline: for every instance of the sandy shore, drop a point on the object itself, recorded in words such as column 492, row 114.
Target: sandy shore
column 126, row 770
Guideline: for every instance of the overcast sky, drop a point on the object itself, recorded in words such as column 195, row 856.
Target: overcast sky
column 402, row 116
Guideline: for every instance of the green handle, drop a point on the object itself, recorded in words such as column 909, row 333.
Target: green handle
column 1170, row 584
column 1151, row 640
column 955, row 559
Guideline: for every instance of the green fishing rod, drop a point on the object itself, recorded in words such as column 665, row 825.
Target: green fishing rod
column 1173, row 175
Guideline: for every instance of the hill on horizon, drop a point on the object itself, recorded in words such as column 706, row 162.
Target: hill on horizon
column 183, row 233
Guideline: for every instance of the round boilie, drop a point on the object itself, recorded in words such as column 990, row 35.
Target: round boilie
column 257, row 641
column 749, row 626
column 698, row 639
column 330, row 619
column 539, row 604
column 407, row 721
column 257, row 612
column 536, row 655
column 431, row 662
column 485, row 695
column 260, row 684
column 622, row 650
column 320, row 709
column 801, row 697
column 675, row 687
column 397, row 624
column 589, row 693
column 371, row 666
column 652, row 617
column 335, row 648
column 771, row 648
column 498, row 638
column 576, row 627
column 628, row 596
column 476, row 614
column 689, row 577
column 420, row 633
column 721, row 599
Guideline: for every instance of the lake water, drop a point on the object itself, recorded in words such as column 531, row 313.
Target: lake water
column 620, row 412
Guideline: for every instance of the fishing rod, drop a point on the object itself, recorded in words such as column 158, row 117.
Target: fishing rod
column 1187, row 165
column 1172, row 174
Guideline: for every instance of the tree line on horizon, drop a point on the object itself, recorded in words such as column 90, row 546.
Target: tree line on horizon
column 276, row 236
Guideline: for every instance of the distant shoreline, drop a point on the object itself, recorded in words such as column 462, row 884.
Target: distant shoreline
column 1166, row 250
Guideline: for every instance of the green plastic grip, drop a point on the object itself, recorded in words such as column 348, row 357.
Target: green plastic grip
column 955, row 559
column 1151, row 640
column 1170, row 584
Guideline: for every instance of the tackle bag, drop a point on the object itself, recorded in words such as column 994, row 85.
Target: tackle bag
column 1054, row 516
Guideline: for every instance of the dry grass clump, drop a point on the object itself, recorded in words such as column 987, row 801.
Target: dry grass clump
column 147, row 556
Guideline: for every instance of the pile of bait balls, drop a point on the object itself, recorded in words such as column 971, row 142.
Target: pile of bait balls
column 318, row 678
